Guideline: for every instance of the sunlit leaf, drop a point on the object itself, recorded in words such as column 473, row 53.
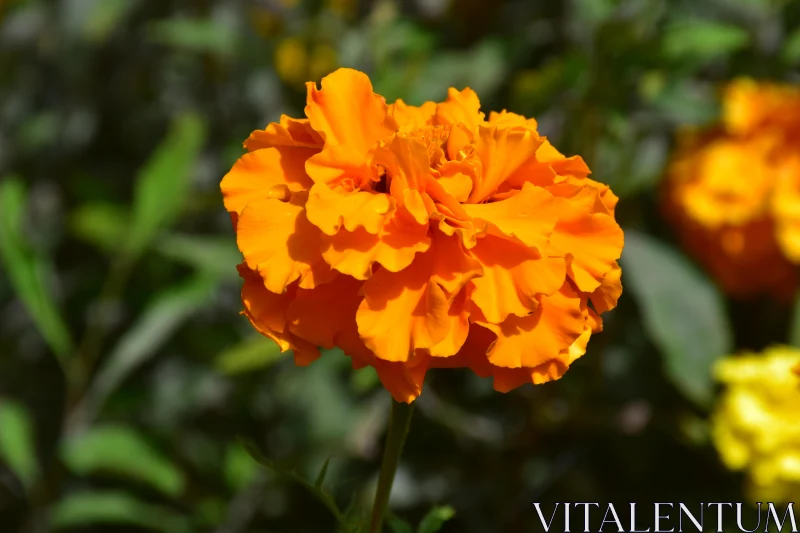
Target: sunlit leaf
column 791, row 48
column 121, row 451
column 239, row 469
column 95, row 508
column 702, row 40
column 253, row 353
column 151, row 330
column 683, row 313
column 17, row 444
column 28, row 271
column 435, row 519
column 163, row 183
column 103, row 225
column 214, row 255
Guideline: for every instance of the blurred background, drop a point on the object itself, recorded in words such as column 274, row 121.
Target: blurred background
column 126, row 371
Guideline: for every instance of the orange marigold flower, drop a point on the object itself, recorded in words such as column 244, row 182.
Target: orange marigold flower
column 421, row 237
column 733, row 191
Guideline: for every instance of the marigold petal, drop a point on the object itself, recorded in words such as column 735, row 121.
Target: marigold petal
column 529, row 216
column 331, row 210
column 354, row 253
column 409, row 117
column 459, row 107
column 605, row 297
column 408, row 310
column 458, row 316
column 351, row 118
column 456, row 178
column 321, row 314
column 535, row 339
column 289, row 131
column 267, row 313
column 513, row 276
column 279, row 242
column 255, row 174
column 501, row 152
column 593, row 240
column 506, row 118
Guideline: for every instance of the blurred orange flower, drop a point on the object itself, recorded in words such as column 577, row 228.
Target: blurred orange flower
column 733, row 191
column 421, row 237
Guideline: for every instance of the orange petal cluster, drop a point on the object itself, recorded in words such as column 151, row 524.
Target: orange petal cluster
column 733, row 190
column 421, row 237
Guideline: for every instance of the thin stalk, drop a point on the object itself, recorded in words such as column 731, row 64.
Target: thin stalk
column 399, row 422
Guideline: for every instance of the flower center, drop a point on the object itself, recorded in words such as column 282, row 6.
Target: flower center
column 432, row 138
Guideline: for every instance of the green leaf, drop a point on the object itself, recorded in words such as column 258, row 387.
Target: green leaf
column 91, row 508
column 195, row 35
column 320, row 494
column 684, row 314
column 397, row 524
column 121, row 451
column 154, row 327
column 17, row 444
column 103, row 225
column 435, row 519
column 702, row 40
column 214, row 255
column 791, row 48
column 105, row 16
column 321, row 476
column 254, row 353
column 240, row 469
column 28, row 271
column 163, row 183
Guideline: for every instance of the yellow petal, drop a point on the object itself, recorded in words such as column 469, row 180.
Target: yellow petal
column 409, row 117
column 605, row 297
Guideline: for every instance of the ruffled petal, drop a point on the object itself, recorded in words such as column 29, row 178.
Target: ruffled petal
column 320, row 315
column 354, row 253
column 289, row 132
column 351, row 118
column 605, row 297
column 279, row 242
column 263, row 174
column 409, row 117
column 593, row 240
column 331, row 210
column 513, row 277
column 502, row 151
column 408, row 310
column 535, row 339
column 267, row 313
column 529, row 216
column 459, row 107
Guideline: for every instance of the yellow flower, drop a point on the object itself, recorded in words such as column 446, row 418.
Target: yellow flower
column 422, row 237
column 733, row 191
column 756, row 423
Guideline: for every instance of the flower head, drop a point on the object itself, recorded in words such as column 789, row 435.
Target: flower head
column 733, row 191
column 420, row 237
column 756, row 424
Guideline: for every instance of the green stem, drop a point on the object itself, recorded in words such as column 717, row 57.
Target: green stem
column 399, row 423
